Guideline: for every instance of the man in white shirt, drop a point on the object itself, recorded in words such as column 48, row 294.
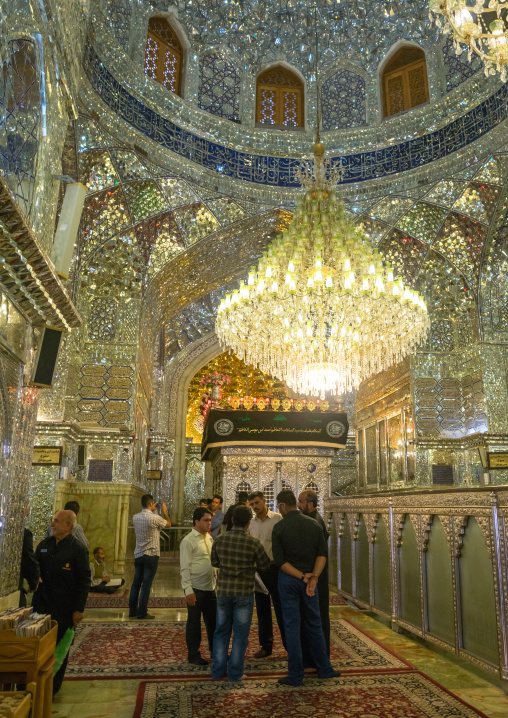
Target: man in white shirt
column 198, row 583
column 147, row 526
column 261, row 527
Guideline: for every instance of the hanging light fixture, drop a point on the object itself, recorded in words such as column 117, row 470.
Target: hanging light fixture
column 322, row 311
column 482, row 27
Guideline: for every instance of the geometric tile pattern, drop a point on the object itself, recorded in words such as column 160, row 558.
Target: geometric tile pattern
column 450, row 406
column 104, row 394
column 219, row 87
column 458, row 68
column 343, row 102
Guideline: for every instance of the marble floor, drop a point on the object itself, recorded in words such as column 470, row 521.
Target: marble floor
column 116, row 698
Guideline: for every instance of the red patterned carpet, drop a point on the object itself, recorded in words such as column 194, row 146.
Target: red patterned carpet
column 386, row 695
column 141, row 650
column 121, row 600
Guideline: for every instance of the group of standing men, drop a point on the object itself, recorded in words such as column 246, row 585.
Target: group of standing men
column 277, row 558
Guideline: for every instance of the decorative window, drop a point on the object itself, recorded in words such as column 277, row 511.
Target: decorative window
column 163, row 55
column 312, row 486
column 404, row 81
column 219, row 87
column 343, row 101
column 20, row 119
column 242, row 486
column 279, row 98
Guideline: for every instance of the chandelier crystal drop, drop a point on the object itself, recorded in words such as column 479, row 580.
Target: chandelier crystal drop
column 481, row 26
column 322, row 311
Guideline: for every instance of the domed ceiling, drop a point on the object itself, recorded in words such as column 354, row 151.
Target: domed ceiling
column 356, row 30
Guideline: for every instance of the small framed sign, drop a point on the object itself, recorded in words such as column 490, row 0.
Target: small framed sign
column 498, row 460
column 47, row 456
column 154, row 475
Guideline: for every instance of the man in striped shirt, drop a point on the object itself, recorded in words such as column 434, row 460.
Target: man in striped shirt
column 238, row 556
column 147, row 526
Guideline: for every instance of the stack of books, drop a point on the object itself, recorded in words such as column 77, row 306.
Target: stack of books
column 25, row 622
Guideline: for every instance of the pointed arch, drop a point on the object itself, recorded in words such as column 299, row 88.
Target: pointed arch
column 164, row 54
column 279, row 98
column 404, row 82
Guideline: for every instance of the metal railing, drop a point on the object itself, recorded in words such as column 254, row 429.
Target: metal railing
column 170, row 540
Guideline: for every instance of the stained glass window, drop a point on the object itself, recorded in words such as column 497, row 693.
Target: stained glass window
column 279, row 100
column 405, row 81
column 163, row 54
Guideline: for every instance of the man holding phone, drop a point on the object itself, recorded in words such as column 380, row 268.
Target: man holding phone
column 147, row 526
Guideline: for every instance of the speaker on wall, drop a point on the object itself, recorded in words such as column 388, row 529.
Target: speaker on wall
column 81, row 455
column 47, row 357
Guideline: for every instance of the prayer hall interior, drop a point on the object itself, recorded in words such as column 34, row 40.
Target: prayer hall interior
column 255, row 247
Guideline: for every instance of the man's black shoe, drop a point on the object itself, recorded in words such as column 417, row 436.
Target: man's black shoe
column 198, row 661
column 334, row 674
column 263, row 653
column 147, row 617
column 285, row 682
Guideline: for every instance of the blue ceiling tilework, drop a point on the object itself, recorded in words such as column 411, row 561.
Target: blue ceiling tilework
column 219, row 87
column 343, row 101
column 280, row 171
column 457, row 67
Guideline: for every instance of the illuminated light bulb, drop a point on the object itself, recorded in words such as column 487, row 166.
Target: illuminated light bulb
column 347, row 265
column 318, row 277
column 365, row 285
column 372, row 269
column 310, row 283
column 352, row 277
column 268, row 274
column 275, row 288
column 292, row 286
column 291, row 267
column 347, row 283
column 329, row 283
column 318, row 264
column 288, row 279
column 251, row 279
column 299, row 333
column 389, row 277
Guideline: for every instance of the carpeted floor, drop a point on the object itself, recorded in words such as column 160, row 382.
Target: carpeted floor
column 121, row 600
column 407, row 694
column 157, row 648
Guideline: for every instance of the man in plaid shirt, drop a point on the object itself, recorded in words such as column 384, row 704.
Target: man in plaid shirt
column 238, row 555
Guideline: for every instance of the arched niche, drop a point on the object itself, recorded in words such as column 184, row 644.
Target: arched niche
column 280, row 98
column 403, row 79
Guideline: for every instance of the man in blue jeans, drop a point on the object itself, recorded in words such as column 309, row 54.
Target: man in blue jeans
column 237, row 555
column 299, row 548
column 147, row 526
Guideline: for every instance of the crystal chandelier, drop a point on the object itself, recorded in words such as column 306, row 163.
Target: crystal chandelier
column 482, row 27
column 322, row 311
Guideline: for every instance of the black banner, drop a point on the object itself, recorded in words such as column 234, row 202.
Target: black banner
column 273, row 428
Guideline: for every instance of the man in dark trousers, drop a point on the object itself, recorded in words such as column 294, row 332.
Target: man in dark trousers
column 65, row 579
column 307, row 503
column 299, row 548
column 29, row 570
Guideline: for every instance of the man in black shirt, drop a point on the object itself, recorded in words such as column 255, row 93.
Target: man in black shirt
column 299, row 548
column 65, row 579
column 307, row 503
column 243, row 497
